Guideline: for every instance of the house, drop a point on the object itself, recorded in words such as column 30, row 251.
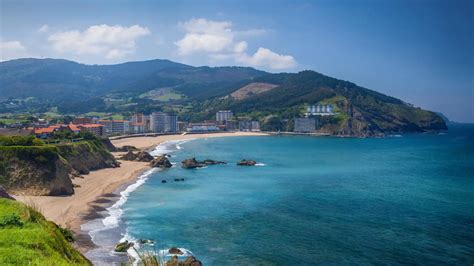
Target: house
column 96, row 129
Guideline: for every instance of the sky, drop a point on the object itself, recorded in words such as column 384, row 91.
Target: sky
column 419, row 51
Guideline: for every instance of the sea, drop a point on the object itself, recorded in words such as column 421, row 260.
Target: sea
column 401, row 199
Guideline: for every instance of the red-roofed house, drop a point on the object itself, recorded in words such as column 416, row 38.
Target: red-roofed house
column 95, row 129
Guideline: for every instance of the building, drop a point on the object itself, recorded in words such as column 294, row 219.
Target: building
column 171, row 123
column 231, row 125
column 222, row 116
column 138, row 118
column 249, row 126
column 305, row 125
column 202, row 127
column 163, row 122
column 320, row 109
column 182, row 126
column 82, row 120
column 96, row 129
column 137, row 128
column 115, row 126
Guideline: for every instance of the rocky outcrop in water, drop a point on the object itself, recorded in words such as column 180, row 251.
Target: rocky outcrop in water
column 161, row 162
column 247, row 163
column 123, row 246
column 189, row 261
column 193, row 163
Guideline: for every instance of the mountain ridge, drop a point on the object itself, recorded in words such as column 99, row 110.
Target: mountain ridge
column 79, row 88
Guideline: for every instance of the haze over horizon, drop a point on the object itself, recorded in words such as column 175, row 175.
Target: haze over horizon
column 420, row 52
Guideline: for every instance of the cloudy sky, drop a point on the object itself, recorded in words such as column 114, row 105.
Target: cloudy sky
column 419, row 51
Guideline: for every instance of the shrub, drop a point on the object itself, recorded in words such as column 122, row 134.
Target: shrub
column 11, row 220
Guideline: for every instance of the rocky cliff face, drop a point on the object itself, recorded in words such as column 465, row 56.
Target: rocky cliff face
column 87, row 156
column 47, row 170
column 34, row 171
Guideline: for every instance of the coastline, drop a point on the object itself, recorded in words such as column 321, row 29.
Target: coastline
column 98, row 189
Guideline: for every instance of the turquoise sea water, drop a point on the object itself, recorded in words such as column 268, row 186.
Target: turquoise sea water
column 316, row 200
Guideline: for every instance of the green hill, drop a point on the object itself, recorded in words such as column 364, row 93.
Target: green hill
column 26, row 238
column 196, row 93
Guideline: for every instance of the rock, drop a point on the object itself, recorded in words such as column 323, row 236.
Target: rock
column 143, row 156
column 123, row 246
column 127, row 148
column 4, row 194
column 178, row 179
column 173, row 261
column 191, row 261
column 192, row 163
column 161, row 161
column 129, row 156
column 175, row 250
column 182, row 179
column 163, row 181
column 212, row 162
column 247, row 163
column 145, row 241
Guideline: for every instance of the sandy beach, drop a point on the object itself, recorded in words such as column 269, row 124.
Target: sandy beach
column 147, row 143
column 95, row 189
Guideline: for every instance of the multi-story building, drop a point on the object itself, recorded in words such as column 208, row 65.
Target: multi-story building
column 249, row 126
column 320, row 109
column 171, row 123
column 163, row 122
column 96, row 129
column 137, row 128
column 157, row 122
column 222, row 116
column 138, row 118
column 202, row 127
column 82, row 120
column 305, row 125
column 231, row 125
column 115, row 126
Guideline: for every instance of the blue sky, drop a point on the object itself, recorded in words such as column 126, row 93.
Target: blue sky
column 419, row 51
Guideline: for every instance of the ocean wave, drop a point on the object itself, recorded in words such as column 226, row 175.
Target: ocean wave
column 260, row 164
column 115, row 211
column 395, row 136
column 169, row 146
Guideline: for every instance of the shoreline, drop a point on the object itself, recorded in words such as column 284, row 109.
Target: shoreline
column 100, row 189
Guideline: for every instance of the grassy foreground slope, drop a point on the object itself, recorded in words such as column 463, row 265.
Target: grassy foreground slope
column 27, row 238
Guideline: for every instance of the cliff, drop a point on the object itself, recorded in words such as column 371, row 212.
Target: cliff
column 32, row 168
column 27, row 238
column 87, row 155
column 35, row 170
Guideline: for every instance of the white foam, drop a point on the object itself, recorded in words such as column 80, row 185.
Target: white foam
column 163, row 253
column 166, row 147
column 395, row 136
column 260, row 164
column 115, row 211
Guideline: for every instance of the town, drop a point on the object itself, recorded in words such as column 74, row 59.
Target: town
column 159, row 123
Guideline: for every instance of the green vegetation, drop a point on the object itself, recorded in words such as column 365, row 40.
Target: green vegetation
column 162, row 95
column 27, row 238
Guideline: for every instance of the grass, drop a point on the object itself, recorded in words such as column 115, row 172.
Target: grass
column 162, row 95
column 27, row 238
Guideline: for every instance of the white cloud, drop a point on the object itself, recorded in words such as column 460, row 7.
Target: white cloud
column 205, row 36
column 12, row 50
column 43, row 28
column 266, row 57
column 112, row 42
column 218, row 41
